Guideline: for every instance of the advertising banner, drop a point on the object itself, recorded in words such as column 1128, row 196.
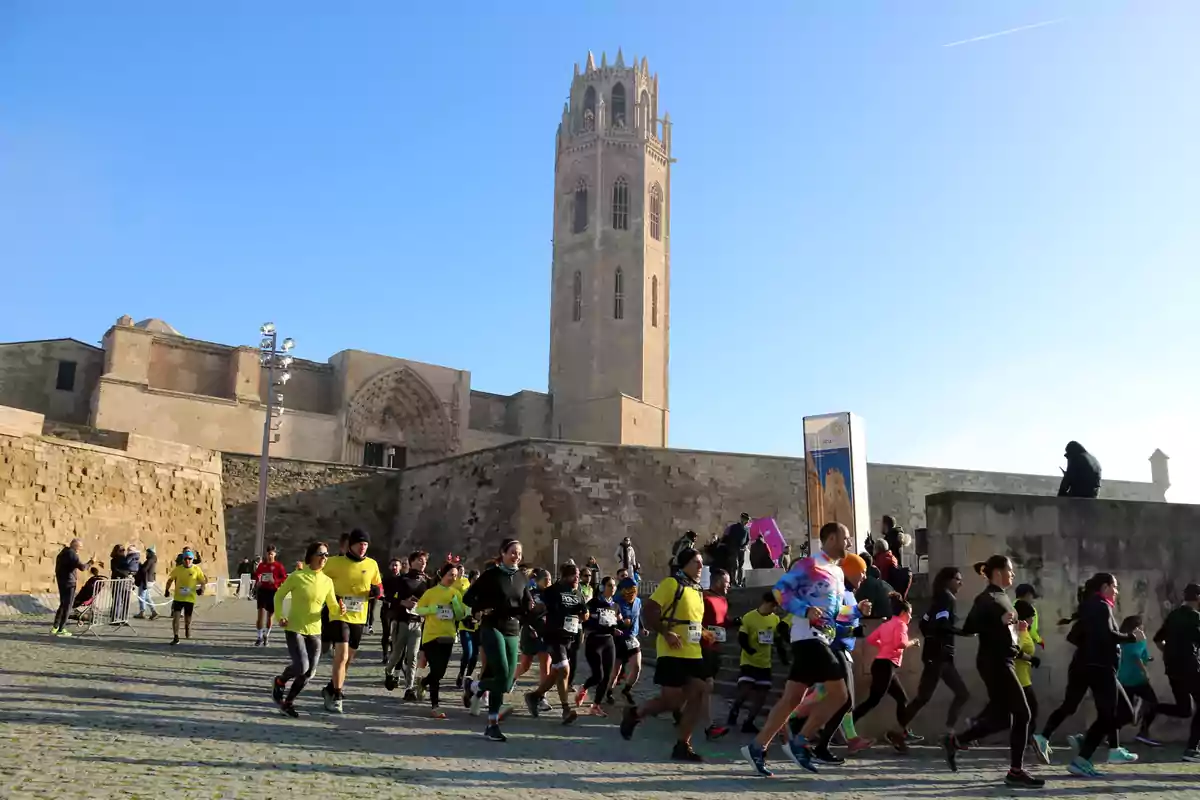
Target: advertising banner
column 835, row 460
column 767, row 529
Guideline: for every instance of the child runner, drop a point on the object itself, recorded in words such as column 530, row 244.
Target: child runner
column 468, row 637
column 269, row 575
column 1026, row 660
column 310, row 591
column 1131, row 672
column 629, row 649
column 188, row 580
column 440, row 605
column 891, row 640
column 757, row 640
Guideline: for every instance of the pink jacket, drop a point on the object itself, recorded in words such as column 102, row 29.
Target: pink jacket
column 891, row 638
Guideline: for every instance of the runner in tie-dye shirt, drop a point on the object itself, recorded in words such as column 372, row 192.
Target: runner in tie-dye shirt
column 812, row 591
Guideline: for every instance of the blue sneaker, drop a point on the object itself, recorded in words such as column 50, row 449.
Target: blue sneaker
column 798, row 750
column 1041, row 746
column 1082, row 768
column 757, row 756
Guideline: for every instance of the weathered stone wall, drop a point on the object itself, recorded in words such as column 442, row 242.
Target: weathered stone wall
column 29, row 377
column 51, row 491
column 306, row 501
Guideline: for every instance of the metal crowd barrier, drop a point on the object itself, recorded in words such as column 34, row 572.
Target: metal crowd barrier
column 110, row 608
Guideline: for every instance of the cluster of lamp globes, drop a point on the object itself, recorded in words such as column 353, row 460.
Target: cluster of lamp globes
column 278, row 357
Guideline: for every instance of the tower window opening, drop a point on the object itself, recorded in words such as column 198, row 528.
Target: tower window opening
column 620, row 205
column 654, row 302
column 577, row 297
column 618, row 106
column 656, row 213
column 619, row 295
column 589, row 109
column 579, row 218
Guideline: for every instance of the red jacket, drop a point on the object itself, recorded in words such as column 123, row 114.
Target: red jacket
column 270, row 576
column 886, row 562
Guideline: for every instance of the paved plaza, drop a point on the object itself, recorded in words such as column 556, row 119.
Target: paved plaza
column 128, row 716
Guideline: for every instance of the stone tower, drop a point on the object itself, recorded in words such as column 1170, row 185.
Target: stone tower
column 611, row 275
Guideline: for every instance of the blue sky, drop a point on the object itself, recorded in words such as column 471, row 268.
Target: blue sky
column 985, row 250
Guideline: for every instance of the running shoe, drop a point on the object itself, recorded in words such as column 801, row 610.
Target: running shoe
column 1191, row 756
column 1145, row 738
column 757, row 756
column 824, row 756
column 370, row 630
column 1119, row 755
column 858, row 744
column 569, row 716
column 289, row 710
column 580, row 697
column 749, row 727
column 337, row 706
column 628, row 722
column 258, row 642
column 277, row 691
column 897, row 741
column 477, row 704
column 532, row 704
column 682, row 751
column 1075, row 740
column 66, row 634
column 139, row 616
column 627, row 693
column 544, row 705
column 597, row 710
column 266, row 640
column 1020, row 779
column 714, row 732
column 154, row 615
column 492, row 733
column 801, row 755
column 950, row 749
column 410, row 696
column 468, row 694
column 609, row 700
column 458, row 682
column 437, row 713
column 1041, row 746
column 391, row 682
column 1082, row 768
column 328, row 697
column 912, row 738
column 175, row 641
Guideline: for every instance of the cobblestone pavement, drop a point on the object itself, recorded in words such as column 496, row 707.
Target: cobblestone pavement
column 129, row 716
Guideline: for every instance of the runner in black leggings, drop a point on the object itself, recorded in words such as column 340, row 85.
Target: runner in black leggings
column 1179, row 639
column 939, row 626
column 599, row 648
column 993, row 618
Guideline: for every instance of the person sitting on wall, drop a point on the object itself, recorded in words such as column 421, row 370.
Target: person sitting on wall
column 1081, row 478
column 760, row 555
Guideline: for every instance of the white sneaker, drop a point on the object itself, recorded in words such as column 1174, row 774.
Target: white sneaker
column 544, row 705
column 477, row 703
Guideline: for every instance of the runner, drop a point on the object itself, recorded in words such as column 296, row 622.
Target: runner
column 1026, row 660
column 269, row 575
column 890, row 641
column 565, row 615
column 391, row 587
column 600, row 649
column 939, row 625
column 716, row 624
column 532, row 646
column 188, row 580
column 310, row 591
column 994, row 619
column 502, row 595
column 1136, row 681
column 440, row 605
column 468, row 638
column 326, row 629
column 676, row 612
column 812, row 591
column 629, row 648
column 406, row 626
column 355, row 578
column 757, row 640
column 1179, row 640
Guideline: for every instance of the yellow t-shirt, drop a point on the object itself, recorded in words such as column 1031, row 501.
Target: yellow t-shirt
column 352, row 580
column 462, row 584
column 1024, row 669
column 439, row 622
column 186, row 581
column 310, row 591
column 689, row 614
column 758, row 628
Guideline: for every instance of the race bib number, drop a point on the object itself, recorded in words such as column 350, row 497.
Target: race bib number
column 354, row 604
column 695, row 632
column 718, row 632
column 608, row 619
column 445, row 613
column 632, row 643
column 266, row 579
column 571, row 624
column 766, row 637
column 184, row 591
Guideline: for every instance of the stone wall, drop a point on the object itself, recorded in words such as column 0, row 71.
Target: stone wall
column 29, row 378
column 306, row 501
column 151, row 493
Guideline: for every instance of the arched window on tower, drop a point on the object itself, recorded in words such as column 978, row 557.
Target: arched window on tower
column 654, row 302
column 579, row 210
column 577, row 297
column 656, row 212
column 618, row 106
column 619, row 295
column 620, row 205
column 646, row 114
column 589, row 109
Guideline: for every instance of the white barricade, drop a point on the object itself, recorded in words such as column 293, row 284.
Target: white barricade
column 110, row 606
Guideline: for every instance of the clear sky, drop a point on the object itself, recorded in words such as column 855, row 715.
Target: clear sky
column 985, row 249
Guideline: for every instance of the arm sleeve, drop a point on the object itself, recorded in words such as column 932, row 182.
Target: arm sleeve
column 744, row 642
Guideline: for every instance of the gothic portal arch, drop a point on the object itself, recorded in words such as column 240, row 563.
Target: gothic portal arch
column 398, row 408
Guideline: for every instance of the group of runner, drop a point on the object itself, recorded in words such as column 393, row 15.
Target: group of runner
column 510, row 620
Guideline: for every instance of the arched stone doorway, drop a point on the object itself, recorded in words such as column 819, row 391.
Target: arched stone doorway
column 396, row 419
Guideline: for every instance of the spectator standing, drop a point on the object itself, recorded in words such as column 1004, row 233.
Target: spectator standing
column 66, row 565
column 736, row 541
column 896, row 538
column 145, row 576
column 627, row 558
column 685, row 542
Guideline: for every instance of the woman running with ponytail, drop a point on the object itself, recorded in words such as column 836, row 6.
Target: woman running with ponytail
column 940, row 625
column 994, row 619
column 502, row 595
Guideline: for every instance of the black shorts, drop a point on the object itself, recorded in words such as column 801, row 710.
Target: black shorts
column 266, row 599
column 712, row 662
column 182, row 607
column 624, row 651
column 345, row 632
column 814, row 662
column 674, row 672
column 561, row 651
column 530, row 644
column 759, row 676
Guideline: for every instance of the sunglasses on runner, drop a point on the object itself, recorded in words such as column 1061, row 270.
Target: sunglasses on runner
column 323, row 554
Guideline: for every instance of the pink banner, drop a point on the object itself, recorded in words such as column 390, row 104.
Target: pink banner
column 766, row 529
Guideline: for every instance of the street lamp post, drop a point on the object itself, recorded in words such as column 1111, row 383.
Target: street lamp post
column 275, row 356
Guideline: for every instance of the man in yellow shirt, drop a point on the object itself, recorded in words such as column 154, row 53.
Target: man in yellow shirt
column 188, row 580
column 757, row 638
column 356, row 579
column 676, row 613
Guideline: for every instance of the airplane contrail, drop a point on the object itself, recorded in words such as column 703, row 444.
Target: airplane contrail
column 1007, row 32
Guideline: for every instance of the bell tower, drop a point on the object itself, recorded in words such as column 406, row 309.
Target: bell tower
column 611, row 271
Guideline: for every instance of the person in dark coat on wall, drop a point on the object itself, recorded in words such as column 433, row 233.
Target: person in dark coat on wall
column 1081, row 478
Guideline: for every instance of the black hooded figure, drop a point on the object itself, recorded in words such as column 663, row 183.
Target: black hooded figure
column 1081, row 478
